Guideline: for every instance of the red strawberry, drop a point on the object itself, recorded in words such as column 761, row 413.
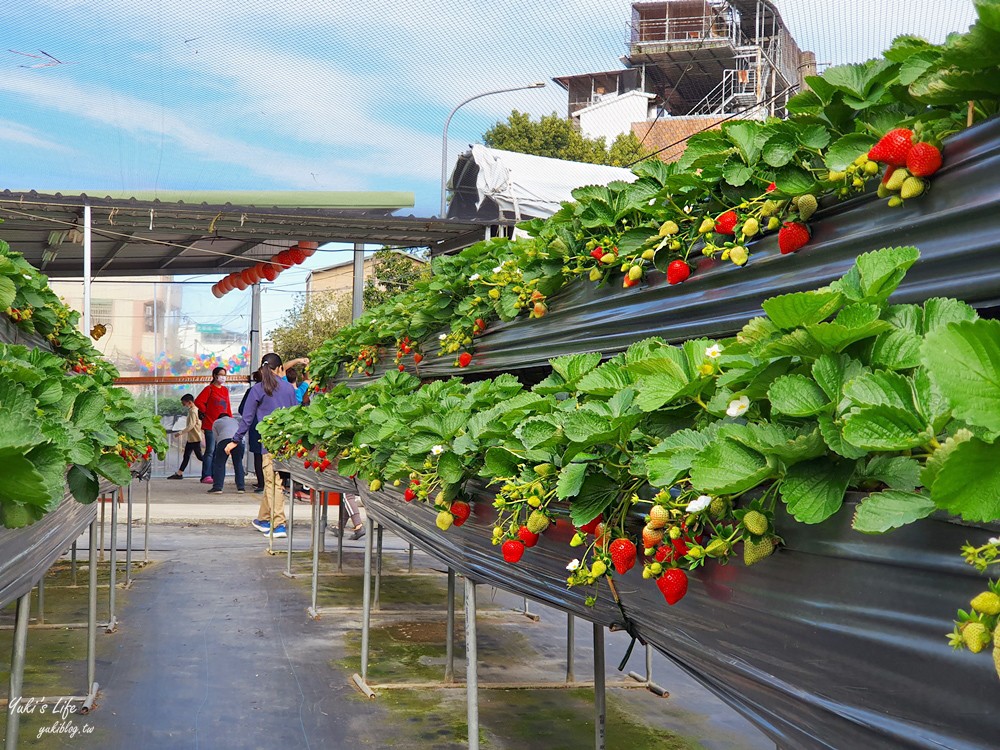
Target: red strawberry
column 460, row 509
column 673, row 585
column 527, row 536
column 401, row 368
column 321, row 453
column 622, row 555
column 651, row 537
column 591, row 526
column 306, row 464
column 480, row 324
column 664, row 553
column 325, row 465
column 893, row 148
column 629, row 282
column 463, row 359
column 792, row 236
column 888, row 173
column 677, row 271
column 512, row 550
column 418, row 358
column 923, row 160
column 772, row 187
column 680, row 547
column 597, row 253
column 409, row 494
column 726, row 223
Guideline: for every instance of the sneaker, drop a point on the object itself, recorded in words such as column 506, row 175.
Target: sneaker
column 261, row 526
column 358, row 533
column 258, row 490
column 206, row 480
column 240, row 491
column 214, row 491
column 279, row 532
column 176, row 476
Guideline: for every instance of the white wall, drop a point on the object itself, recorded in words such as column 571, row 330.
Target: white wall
column 614, row 115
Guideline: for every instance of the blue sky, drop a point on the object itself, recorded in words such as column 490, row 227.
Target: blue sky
column 322, row 94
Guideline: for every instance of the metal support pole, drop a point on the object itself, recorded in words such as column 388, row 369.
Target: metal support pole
column 100, row 555
column 17, row 668
column 600, row 713
column 291, row 527
column 113, row 583
column 316, row 532
column 128, row 540
column 72, row 562
column 648, row 679
column 323, row 523
column 378, row 566
column 41, row 600
column 409, row 559
column 366, row 610
column 92, row 607
column 449, row 659
column 358, row 285
column 570, row 636
column 528, row 614
column 341, row 520
column 255, row 318
column 471, row 665
column 145, row 554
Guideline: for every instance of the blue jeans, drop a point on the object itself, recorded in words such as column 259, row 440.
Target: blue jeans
column 206, row 465
column 219, row 465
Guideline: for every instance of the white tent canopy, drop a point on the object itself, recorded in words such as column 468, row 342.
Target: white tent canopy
column 489, row 183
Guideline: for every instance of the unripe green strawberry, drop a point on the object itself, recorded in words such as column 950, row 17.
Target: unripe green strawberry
column 896, row 180
column 996, row 658
column 755, row 522
column 668, row 228
column 608, row 258
column 675, row 245
column 883, row 191
column 836, row 176
column 717, row 548
column 707, row 225
column 770, row 208
column 649, row 254
column 895, row 201
column 754, row 552
column 444, row 520
column 625, row 267
column 739, row 255
column 750, row 227
column 976, row 636
column 870, row 168
column 987, row 602
column 717, row 509
column 375, row 485
column 656, row 568
column 635, row 273
column 595, row 274
column 807, row 206
column 912, row 187
column 537, row 522
column 15, row 515
column 599, row 568
column 773, row 223
column 544, row 470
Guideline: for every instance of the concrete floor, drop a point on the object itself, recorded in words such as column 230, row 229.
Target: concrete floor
column 215, row 650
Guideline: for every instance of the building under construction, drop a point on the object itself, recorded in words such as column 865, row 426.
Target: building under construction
column 690, row 64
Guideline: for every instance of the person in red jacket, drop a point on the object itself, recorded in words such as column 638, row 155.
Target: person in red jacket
column 212, row 402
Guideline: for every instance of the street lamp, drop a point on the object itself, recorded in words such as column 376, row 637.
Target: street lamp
column 444, row 144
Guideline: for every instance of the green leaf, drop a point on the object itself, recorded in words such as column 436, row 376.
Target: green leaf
column 881, row 388
column 113, row 468
column 877, row 274
column 450, row 468
column 797, row 396
column 606, row 380
column 968, row 483
column 50, row 462
column 939, row 311
column 814, row 136
column 83, row 484
column 88, row 411
column 535, row 431
column 882, row 511
column 896, row 472
column 501, row 463
column 21, row 483
column 20, row 429
column 727, row 467
column 937, row 459
column 789, row 311
column 845, row 150
column 794, row 180
column 831, row 371
column 854, row 323
column 743, row 134
column 805, row 103
column 884, row 428
column 814, row 490
column 7, row 292
column 780, row 149
column 596, row 494
column 963, row 361
column 833, row 436
column 736, row 173
column 897, row 349
column 584, row 426
column 570, row 480
column 634, row 239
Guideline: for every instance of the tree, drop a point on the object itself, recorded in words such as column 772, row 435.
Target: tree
column 392, row 272
column 555, row 137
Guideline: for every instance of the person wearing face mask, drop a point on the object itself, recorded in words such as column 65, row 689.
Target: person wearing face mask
column 212, row 403
column 271, row 393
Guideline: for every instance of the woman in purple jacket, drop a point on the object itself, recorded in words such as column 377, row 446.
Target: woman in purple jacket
column 272, row 392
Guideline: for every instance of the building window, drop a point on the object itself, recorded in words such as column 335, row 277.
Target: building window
column 147, row 316
column 101, row 310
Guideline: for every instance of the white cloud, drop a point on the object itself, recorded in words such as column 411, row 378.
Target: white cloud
column 14, row 132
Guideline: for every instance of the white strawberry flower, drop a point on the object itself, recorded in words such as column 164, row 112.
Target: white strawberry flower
column 573, row 565
column 714, row 351
column 738, row 406
column 475, row 277
column 994, row 540
column 437, row 450
column 699, row 504
column 498, row 269
column 442, row 337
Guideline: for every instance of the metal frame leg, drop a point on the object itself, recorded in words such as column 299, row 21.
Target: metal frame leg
column 91, row 619
column 41, row 599
column 323, row 523
column 361, row 680
column 100, row 554
column 72, row 562
column 378, row 566
column 316, row 532
column 113, row 583
column 290, row 529
column 570, row 636
column 647, row 681
column 471, row 665
column 409, row 559
column 145, row 554
column 128, row 540
column 600, row 703
column 449, row 659
column 341, row 520
column 17, row 655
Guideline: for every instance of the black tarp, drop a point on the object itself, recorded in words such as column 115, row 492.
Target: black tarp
column 837, row 641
